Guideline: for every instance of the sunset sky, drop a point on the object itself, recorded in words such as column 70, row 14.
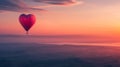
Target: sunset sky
column 66, row 33
column 62, row 17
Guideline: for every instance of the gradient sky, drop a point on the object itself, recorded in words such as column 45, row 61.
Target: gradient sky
column 59, row 17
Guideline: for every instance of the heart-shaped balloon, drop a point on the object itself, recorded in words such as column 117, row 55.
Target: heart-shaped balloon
column 27, row 21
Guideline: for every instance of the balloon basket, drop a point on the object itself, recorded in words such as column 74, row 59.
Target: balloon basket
column 27, row 32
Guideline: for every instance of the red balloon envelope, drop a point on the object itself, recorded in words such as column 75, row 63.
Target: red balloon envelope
column 27, row 21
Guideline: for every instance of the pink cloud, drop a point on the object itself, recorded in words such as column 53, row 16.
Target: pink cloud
column 21, row 6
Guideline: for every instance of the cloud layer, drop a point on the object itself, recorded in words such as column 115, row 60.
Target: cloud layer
column 21, row 6
column 65, row 39
column 57, row 2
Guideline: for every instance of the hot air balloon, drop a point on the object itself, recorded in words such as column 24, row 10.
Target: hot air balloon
column 27, row 21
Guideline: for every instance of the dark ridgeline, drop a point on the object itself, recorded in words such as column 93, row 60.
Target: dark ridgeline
column 48, row 55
